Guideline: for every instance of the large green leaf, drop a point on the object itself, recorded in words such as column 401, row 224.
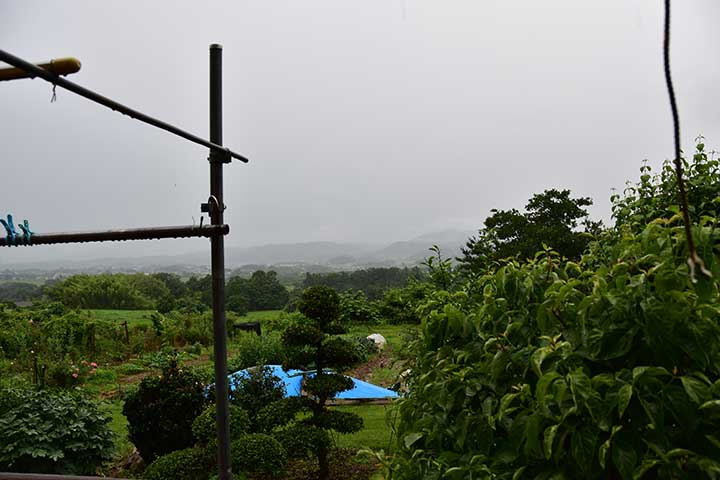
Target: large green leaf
column 624, row 458
column 624, row 396
column 538, row 357
column 582, row 446
column 549, row 438
column 411, row 438
column 695, row 389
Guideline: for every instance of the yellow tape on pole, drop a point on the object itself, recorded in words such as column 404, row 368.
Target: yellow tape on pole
column 58, row 66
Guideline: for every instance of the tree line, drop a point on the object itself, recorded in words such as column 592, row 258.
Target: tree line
column 166, row 292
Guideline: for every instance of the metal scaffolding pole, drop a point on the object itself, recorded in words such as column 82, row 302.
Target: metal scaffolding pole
column 215, row 207
column 36, row 71
column 219, row 155
column 118, row 235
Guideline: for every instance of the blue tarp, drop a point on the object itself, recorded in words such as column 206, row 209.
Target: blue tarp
column 293, row 385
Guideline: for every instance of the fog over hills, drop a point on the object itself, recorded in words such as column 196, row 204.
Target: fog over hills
column 328, row 255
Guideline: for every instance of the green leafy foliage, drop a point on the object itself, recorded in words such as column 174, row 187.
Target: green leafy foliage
column 604, row 367
column 262, row 291
column 161, row 411
column 52, row 432
column 119, row 291
column 19, row 292
column 311, row 342
column 399, row 305
column 258, row 388
column 258, row 453
column 373, row 282
column 252, row 350
column 655, row 195
column 363, row 348
column 355, row 308
column 186, row 464
column 550, row 219
column 204, row 426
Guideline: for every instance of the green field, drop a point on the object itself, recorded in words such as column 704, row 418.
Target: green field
column 376, row 434
column 261, row 316
column 394, row 334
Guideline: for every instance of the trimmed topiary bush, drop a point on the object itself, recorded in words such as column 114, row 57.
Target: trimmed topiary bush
column 161, row 411
column 204, row 426
column 258, row 453
column 52, row 432
column 312, row 343
column 186, row 464
column 259, row 387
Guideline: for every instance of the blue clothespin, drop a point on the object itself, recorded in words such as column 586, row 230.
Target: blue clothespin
column 10, row 229
column 27, row 233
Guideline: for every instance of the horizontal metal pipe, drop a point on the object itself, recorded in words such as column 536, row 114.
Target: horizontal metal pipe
column 152, row 233
column 36, row 71
column 39, row 476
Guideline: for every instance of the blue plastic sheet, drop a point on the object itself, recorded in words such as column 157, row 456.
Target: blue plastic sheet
column 292, row 379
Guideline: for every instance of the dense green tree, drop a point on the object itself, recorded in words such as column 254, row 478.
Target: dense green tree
column 355, row 308
column 99, row 291
column 312, row 344
column 372, row 281
column 550, row 219
column 262, row 291
column 161, row 411
column 19, row 292
column 200, row 288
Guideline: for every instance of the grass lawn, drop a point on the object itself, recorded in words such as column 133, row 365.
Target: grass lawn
column 261, row 316
column 119, row 426
column 377, row 433
column 133, row 317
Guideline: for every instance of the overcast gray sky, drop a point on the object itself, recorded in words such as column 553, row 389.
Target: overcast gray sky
column 365, row 120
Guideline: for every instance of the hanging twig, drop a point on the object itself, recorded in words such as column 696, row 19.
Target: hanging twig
column 694, row 261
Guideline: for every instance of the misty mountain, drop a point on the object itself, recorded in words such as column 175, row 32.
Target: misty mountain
column 309, row 255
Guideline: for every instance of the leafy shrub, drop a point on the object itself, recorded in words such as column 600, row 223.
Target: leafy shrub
column 256, row 389
column 186, row 464
column 253, row 350
column 399, row 305
column 161, row 411
column 52, row 432
column 655, row 195
column 302, row 439
column 280, row 413
column 258, row 453
column 605, row 368
column 183, row 328
column 280, row 321
column 355, row 308
column 204, row 426
column 364, row 347
column 100, row 291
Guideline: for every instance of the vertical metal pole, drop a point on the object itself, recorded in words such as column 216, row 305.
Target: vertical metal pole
column 217, row 248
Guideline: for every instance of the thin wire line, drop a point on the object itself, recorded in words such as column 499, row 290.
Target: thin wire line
column 694, row 260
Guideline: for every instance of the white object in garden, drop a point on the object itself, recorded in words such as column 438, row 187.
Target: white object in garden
column 379, row 340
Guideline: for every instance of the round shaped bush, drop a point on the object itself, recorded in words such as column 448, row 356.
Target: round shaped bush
column 160, row 413
column 257, row 453
column 187, row 464
column 204, row 427
column 302, row 439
